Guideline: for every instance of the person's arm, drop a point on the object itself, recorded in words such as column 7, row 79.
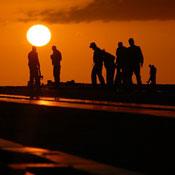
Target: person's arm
column 37, row 59
column 38, row 64
column 94, row 58
column 116, row 62
column 60, row 55
column 148, row 80
column 28, row 56
column 141, row 57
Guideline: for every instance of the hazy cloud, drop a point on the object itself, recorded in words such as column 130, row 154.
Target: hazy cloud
column 109, row 10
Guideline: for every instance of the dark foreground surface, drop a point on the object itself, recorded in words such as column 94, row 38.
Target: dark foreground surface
column 161, row 94
column 140, row 143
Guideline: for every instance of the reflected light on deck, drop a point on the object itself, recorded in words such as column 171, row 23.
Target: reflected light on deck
column 42, row 102
column 27, row 173
column 37, row 151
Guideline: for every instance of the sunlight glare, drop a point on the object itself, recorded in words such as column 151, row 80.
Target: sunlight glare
column 38, row 35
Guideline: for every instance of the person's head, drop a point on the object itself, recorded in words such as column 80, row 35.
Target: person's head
column 54, row 47
column 131, row 41
column 93, row 45
column 120, row 44
column 33, row 48
column 154, row 66
column 151, row 66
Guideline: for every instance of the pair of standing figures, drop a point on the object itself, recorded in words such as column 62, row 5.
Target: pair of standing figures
column 35, row 71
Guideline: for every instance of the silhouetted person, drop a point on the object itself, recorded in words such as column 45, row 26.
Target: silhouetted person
column 97, row 65
column 34, row 68
column 56, row 58
column 136, row 61
column 121, row 64
column 110, row 68
column 152, row 72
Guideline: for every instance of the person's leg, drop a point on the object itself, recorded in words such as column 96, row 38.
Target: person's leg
column 57, row 75
column 100, row 76
column 118, row 77
column 31, row 78
column 137, row 74
column 129, row 74
column 93, row 76
column 111, row 76
column 37, row 80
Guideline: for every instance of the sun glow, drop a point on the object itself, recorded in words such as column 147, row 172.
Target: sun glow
column 38, row 35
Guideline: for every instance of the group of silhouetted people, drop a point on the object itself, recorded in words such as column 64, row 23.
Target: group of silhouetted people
column 34, row 67
column 128, row 61
column 119, row 68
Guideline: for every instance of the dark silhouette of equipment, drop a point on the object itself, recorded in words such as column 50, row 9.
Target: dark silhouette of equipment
column 152, row 77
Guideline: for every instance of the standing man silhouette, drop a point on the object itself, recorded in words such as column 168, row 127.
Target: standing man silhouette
column 56, row 58
column 34, row 68
column 121, row 64
column 136, row 61
column 98, row 65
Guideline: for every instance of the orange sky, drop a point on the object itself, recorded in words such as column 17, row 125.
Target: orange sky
column 72, row 36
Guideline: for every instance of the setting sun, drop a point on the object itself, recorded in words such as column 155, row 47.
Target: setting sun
column 38, row 35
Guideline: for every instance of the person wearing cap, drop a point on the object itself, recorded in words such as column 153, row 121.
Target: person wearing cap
column 56, row 58
column 97, row 65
